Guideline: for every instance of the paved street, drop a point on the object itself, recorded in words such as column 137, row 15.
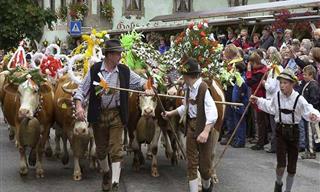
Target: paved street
column 242, row 170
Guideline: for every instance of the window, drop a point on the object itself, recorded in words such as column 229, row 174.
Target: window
column 63, row 3
column 233, row 3
column 133, row 7
column 52, row 5
column 182, row 5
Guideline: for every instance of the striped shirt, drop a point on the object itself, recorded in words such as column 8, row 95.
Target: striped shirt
column 112, row 78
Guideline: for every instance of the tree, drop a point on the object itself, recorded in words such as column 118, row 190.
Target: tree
column 22, row 18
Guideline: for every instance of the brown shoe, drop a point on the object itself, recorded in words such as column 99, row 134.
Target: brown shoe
column 107, row 181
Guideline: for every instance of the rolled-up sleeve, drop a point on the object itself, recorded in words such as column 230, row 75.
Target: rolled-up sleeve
column 136, row 82
column 210, row 109
column 83, row 89
column 181, row 110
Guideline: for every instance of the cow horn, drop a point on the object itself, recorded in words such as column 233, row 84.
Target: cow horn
column 67, row 90
column 73, row 77
column 6, row 72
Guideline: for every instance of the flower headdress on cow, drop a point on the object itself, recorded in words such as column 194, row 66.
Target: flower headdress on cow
column 20, row 75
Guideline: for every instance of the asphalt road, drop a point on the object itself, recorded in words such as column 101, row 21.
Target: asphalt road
column 242, row 170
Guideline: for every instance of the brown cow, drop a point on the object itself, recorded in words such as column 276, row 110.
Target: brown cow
column 29, row 108
column 78, row 133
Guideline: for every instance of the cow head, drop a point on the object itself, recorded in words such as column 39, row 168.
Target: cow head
column 29, row 98
column 147, row 105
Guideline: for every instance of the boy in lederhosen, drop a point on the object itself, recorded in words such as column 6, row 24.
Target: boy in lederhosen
column 201, row 113
column 288, row 107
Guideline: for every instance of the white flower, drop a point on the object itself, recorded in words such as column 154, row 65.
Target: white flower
column 195, row 27
column 205, row 25
column 211, row 37
column 187, row 31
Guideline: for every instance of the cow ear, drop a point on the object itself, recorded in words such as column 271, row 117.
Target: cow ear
column 64, row 103
column 45, row 88
column 10, row 88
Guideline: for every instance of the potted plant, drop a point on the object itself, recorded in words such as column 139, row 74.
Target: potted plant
column 62, row 13
column 107, row 11
column 78, row 11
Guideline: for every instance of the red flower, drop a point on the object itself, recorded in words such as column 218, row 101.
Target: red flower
column 191, row 25
column 195, row 43
column 200, row 26
column 203, row 34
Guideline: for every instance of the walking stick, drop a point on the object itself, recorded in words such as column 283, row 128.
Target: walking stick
column 173, row 96
column 170, row 123
column 239, row 122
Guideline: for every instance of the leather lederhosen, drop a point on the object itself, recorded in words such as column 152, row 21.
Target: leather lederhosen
column 287, row 139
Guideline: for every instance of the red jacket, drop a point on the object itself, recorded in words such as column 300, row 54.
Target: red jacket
column 245, row 45
column 253, row 80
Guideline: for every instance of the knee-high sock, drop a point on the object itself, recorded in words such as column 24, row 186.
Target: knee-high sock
column 279, row 179
column 193, row 185
column 205, row 183
column 116, row 169
column 289, row 183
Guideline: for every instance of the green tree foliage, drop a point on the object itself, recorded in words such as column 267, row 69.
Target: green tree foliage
column 22, row 18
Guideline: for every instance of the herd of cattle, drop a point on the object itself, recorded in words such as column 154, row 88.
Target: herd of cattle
column 31, row 110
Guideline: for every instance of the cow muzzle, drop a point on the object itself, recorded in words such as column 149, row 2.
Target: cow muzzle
column 148, row 112
column 81, row 129
column 25, row 113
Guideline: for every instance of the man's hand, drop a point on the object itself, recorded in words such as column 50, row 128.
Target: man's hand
column 149, row 92
column 203, row 137
column 253, row 99
column 80, row 112
column 165, row 115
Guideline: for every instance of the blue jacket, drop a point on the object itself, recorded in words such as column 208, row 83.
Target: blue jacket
column 240, row 95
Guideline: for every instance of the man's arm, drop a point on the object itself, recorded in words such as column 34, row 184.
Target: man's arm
column 137, row 82
column 308, row 112
column 80, row 95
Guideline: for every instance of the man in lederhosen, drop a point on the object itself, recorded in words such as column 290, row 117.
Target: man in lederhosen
column 108, row 112
column 201, row 113
column 288, row 107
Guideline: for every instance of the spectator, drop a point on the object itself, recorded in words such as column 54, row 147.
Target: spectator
column 267, row 38
column 231, row 37
column 316, row 38
column 288, row 36
column 311, row 93
column 305, row 46
column 243, row 41
column 315, row 54
column 272, row 86
column 239, row 95
column 255, row 71
column 279, row 39
column 256, row 40
column 163, row 47
column 296, row 46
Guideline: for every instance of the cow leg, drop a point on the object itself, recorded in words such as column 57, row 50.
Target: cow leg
column 65, row 157
column 39, row 169
column 149, row 153
column 48, row 149
column 125, row 139
column 11, row 133
column 154, row 150
column 77, row 169
column 216, row 135
column 168, row 145
column 92, row 154
column 57, row 137
column 175, row 153
column 23, row 162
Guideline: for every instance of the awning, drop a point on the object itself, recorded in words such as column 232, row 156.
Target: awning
column 230, row 11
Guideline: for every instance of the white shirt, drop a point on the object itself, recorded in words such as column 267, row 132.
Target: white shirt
column 209, row 105
column 272, row 85
column 303, row 108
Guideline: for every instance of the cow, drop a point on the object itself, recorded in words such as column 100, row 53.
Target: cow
column 78, row 133
column 143, row 127
column 28, row 107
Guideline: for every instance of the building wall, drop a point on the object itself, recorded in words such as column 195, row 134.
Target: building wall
column 120, row 22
